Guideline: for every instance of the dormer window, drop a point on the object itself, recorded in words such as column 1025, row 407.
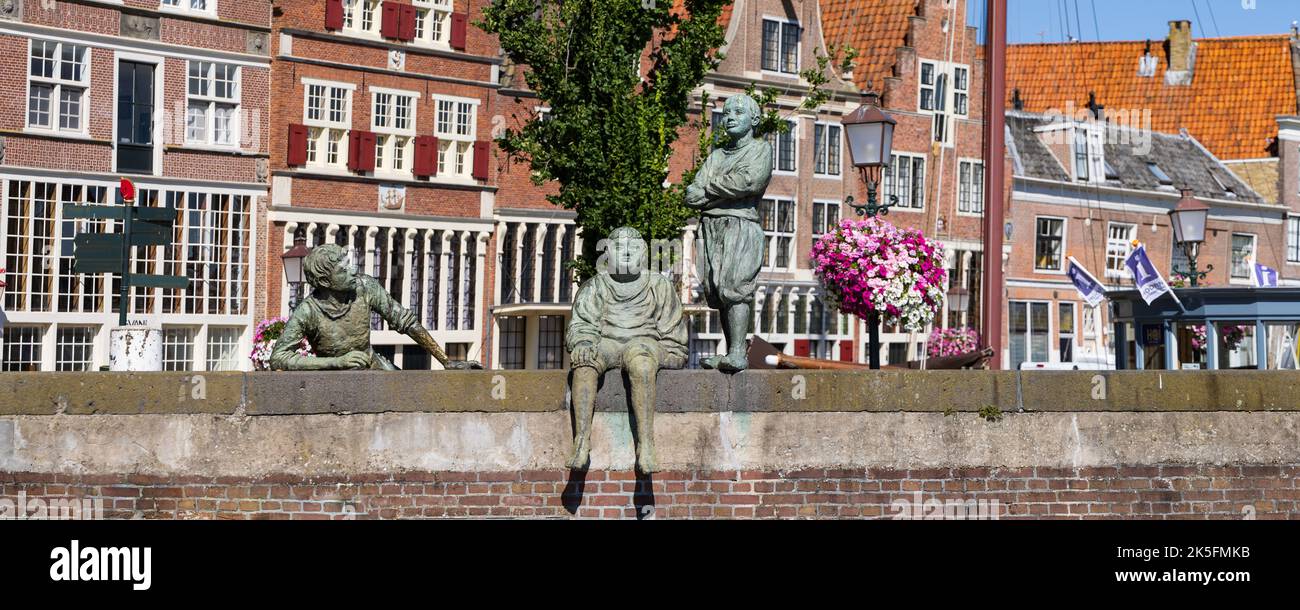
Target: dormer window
column 1160, row 174
column 1080, row 155
column 1087, row 154
column 1111, row 174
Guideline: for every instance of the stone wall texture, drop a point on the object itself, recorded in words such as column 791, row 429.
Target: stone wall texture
column 793, row 444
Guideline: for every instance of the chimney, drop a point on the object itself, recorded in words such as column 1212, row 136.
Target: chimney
column 1182, row 53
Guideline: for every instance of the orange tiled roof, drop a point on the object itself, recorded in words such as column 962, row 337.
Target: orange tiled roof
column 1239, row 86
column 875, row 28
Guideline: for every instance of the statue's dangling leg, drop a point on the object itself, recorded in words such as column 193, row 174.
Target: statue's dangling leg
column 583, row 396
column 737, row 324
column 641, row 370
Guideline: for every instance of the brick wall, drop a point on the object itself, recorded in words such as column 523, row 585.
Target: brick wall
column 1125, row 492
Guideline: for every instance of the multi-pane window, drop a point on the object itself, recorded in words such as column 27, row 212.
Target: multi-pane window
column 783, row 145
column 1028, row 332
column 826, row 149
column 780, row 46
column 550, row 342
column 777, row 218
column 1048, row 237
column 927, row 85
column 512, row 341
column 455, row 127
column 970, row 187
column 327, row 112
column 198, row 6
column 21, row 348
column 1066, row 333
column 362, row 16
column 1243, row 251
column 960, row 90
column 393, row 121
column 905, row 179
column 212, row 250
column 74, row 348
column 1293, row 239
column 59, row 75
column 212, row 113
column 825, row 217
column 1119, row 243
column 178, row 348
column 223, row 349
column 432, row 21
column 1081, row 160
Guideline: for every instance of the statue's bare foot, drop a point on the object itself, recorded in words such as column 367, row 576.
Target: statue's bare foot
column 733, row 363
column 646, row 463
column 581, row 457
column 711, row 362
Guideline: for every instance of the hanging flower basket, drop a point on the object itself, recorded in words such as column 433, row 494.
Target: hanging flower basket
column 264, row 338
column 953, row 342
column 873, row 266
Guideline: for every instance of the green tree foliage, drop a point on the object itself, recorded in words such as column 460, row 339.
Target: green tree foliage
column 618, row 76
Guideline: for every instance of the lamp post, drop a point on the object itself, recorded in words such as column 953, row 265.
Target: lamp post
column 292, row 261
column 1188, row 220
column 870, row 133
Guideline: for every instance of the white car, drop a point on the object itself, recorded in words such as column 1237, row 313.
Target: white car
column 1081, row 363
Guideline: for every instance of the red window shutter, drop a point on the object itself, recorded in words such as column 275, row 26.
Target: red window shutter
column 426, row 156
column 458, row 21
column 481, row 148
column 366, row 151
column 333, row 14
column 846, row 350
column 297, row 154
column 406, row 24
column 354, row 149
column 802, row 348
column 388, row 26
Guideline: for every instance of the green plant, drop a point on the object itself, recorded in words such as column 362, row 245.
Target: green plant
column 991, row 413
column 618, row 77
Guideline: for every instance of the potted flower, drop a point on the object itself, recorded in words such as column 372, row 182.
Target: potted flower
column 871, row 266
column 1232, row 337
column 264, row 338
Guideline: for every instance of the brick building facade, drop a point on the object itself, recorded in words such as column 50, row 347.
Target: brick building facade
column 381, row 144
column 174, row 94
column 929, row 69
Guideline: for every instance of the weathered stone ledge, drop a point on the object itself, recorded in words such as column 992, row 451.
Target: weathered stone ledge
column 257, row 394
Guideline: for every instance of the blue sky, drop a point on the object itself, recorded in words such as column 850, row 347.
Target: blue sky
column 1041, row 20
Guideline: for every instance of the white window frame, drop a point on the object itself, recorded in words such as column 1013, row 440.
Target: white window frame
column 1293, row 239
column 1053, row 351
column 817, row 222
column 353, row 18
column 390, row 139
column 949, row 113
column 425, row 9
column 1117, row 249
column 838, row 145
column 57, row 85
column 793, row 135
column 769, row 262
column 187, row 7
column 455, row 147
column 320, row 130
column 1065, row 234
column 1254, row 251
column 889, row 180
column 780, row 45
column 1073, row 335
column 212, row 101
column 976, row 186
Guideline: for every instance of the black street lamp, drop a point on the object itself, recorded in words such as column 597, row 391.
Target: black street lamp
column 292, row 261
column 1188, row 220
column 870, row 133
